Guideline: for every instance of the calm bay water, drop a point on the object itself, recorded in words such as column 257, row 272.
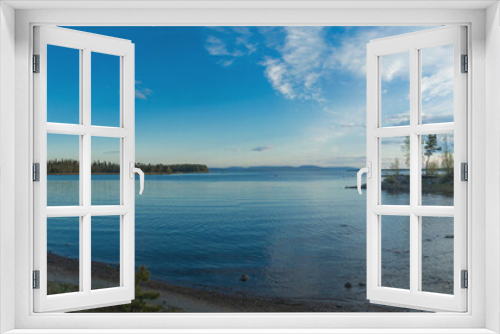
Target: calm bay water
column 296, row 233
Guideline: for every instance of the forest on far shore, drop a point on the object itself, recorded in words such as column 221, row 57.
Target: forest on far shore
column 70, row 166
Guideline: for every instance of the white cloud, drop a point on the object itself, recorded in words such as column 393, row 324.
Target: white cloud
column 297, row 72
column 439, row 109
column 326, row 134
column 438, row 84
column 298, row 60
column 349, row 125
column 226, row 62
column 251, row 48
column 142, row 92
column 438, row 74
column 276, row 73
column 396, row 119
column 216, row 47
column 307, row 57
column 228, row 47
column 396, row 65
column 296, row 66
column 350, row 54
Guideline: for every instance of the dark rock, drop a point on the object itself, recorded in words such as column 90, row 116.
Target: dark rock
column 449, row 237
column 244, row 278
column 348, row 285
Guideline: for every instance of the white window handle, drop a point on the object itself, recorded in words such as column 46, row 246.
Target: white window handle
column 368, row 171
column 134, row 170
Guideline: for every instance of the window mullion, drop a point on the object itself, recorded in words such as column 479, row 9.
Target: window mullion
column 414, row 174
column 85, row 179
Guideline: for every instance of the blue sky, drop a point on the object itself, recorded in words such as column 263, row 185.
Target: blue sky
column 245, row 96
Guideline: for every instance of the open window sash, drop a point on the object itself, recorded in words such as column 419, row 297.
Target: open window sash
column 85, row 297
column 415, row 297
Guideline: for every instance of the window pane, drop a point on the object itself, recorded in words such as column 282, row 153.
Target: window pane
column 63, row 85
column 105, row 90
column 63, row 253
column 105, row 171
column 105, row 252
column 437, row 254
column 395, row 170
column 63, row 170
column 437, row 84
column 437, row 169
column 395, row 89
column 395, row 251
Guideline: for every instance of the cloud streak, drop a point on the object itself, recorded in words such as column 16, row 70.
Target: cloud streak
column 349, row 125
column 261, row 148
column 349, row 54
column 298, row 60
column 297, row 72
column 228, row 47
column 142, row 93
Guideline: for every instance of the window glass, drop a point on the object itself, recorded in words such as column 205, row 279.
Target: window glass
column 105, row 90
column 106, row 171
column 63, row 85
column 395, row 170
column 63, row 170
column 437, row 84
column 105, row 252
column 395, row 252
column 395, row 89
column 63, row 255
column 437, row 254
column 438, row 169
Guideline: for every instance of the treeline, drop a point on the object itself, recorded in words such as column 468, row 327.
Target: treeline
column 65, row 166
column 69, row 166
column 172, row 169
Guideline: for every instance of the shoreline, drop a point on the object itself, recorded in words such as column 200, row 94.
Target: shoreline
column 58, row 174
column 64, row 271
column 400, row 184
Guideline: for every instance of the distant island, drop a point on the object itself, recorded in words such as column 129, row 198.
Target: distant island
column 438, row 182
column 70, row 167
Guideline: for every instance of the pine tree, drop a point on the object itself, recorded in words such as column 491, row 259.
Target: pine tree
column 447, row 160
column 430, row 147
column 406, row 149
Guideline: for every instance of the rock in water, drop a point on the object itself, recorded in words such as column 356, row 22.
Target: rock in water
column 348, row 285
column 244, row 278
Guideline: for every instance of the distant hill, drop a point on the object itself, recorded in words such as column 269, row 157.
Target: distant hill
column 69, row 166
column 236, row 168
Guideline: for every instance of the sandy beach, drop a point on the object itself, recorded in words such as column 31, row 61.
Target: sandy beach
column 63, row 272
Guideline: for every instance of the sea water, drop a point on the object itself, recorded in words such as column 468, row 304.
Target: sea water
column 295, row 233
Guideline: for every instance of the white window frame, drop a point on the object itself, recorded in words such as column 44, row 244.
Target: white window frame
column 16, row 221
column 412, row 44
column 85, row 43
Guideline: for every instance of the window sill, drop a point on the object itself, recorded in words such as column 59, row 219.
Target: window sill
column 256, row 331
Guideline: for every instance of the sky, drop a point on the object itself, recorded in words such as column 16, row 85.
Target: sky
column 246, row 96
